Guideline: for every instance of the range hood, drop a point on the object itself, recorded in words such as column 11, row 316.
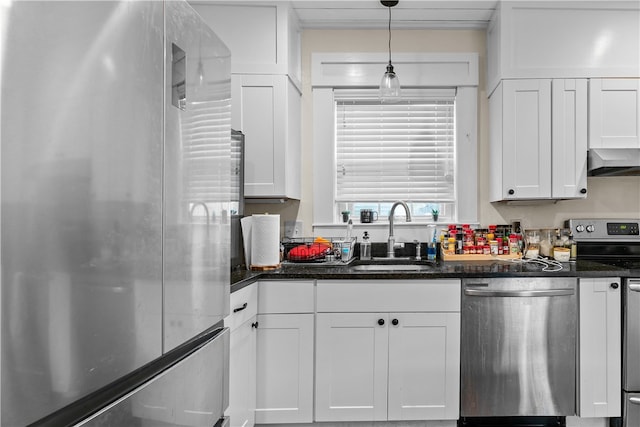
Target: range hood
column 613, row 162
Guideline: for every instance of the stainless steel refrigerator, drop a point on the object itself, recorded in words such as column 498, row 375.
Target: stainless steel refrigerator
column 114, row 219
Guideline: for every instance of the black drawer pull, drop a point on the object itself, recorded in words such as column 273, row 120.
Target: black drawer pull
column 395, row 322
column 254, row 325
column 381, row 322
column 614, row 285
column 235, row 310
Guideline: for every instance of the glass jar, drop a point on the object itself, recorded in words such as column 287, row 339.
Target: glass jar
column 565, row 240
column 532, row 242
column 547, row 241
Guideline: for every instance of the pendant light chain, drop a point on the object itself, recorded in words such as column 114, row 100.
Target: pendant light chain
column 389, row 34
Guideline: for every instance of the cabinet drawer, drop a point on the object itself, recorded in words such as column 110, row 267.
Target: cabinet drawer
column 244, row 305
column 290, row 296
column 388, row 295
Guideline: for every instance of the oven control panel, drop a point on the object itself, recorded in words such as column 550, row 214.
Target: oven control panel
column 605, row 229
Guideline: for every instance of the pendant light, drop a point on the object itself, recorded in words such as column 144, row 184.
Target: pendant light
column 390, row 84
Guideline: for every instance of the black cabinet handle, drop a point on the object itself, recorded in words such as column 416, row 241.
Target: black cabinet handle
column 583, row 191
column 395, row 322
column 235, row 310
column 614, row 285
column 381, row 322
column 254, row 325
column 511, row 192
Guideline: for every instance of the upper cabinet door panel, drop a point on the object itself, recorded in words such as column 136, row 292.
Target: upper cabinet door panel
column 264, row 38
column 569, row 138
column 527, row 139
column 614, row 113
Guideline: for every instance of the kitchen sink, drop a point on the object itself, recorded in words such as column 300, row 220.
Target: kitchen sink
column 391, row 267
column 392, row 264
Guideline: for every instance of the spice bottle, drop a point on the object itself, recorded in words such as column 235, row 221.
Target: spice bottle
column 514, row 247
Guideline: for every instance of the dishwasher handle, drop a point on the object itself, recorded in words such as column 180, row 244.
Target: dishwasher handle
column 521, row 294
column 635, row 400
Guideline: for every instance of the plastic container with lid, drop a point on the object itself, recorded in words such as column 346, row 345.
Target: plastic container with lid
column 365, row 247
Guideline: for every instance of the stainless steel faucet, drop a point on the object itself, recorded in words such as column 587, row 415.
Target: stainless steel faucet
column 392, row 240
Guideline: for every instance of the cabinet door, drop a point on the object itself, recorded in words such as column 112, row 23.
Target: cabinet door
column 351, row 367
column 569, row 138
column 242, row 375
column 600, row 352
column 267, row 109
column 424, row 366
column 614, row 113
column 284, row 369
column 526, row 139
column 258, row 99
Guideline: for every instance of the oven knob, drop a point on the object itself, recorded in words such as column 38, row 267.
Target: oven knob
column 590, row 228
column 580, row 228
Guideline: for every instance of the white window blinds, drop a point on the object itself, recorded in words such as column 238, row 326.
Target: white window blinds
column 387, row 152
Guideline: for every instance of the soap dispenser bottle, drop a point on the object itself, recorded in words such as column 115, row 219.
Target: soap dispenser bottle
column 365, row 247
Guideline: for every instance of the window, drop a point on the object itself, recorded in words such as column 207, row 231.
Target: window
column 345, row 88
column 388, row 152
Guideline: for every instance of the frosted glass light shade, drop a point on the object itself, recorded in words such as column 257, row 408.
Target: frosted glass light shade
column 390, row 86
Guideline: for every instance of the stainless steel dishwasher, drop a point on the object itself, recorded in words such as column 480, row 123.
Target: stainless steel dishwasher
column 519, row 347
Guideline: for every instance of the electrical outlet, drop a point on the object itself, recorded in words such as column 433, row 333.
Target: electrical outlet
column 293, row 229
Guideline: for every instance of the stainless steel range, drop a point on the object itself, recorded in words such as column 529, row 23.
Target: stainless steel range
column 617, row 242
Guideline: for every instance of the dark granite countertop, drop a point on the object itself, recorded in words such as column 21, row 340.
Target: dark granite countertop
column 439, row 270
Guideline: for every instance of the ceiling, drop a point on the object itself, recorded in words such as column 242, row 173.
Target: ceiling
column 371, row 14
column 409, row 14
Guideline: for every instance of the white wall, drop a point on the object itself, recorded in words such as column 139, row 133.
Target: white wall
column 608, row 196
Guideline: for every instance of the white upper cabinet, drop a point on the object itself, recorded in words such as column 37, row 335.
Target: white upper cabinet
column 614, row 113
column 268, row 110
column 263, row 39
column 563, row 39
column 569, row 138
column 538, row 139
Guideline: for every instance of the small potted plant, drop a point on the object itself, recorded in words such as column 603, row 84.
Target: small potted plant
column 434, row 213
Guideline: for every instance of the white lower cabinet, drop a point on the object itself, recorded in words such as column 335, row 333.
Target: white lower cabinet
column 600, row 348
column 387, row 365
column 284, row 383
column 242, row 363
column 351, row 367
column 424, row 366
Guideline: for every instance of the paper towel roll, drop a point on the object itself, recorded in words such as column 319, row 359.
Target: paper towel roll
column 265, row 240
